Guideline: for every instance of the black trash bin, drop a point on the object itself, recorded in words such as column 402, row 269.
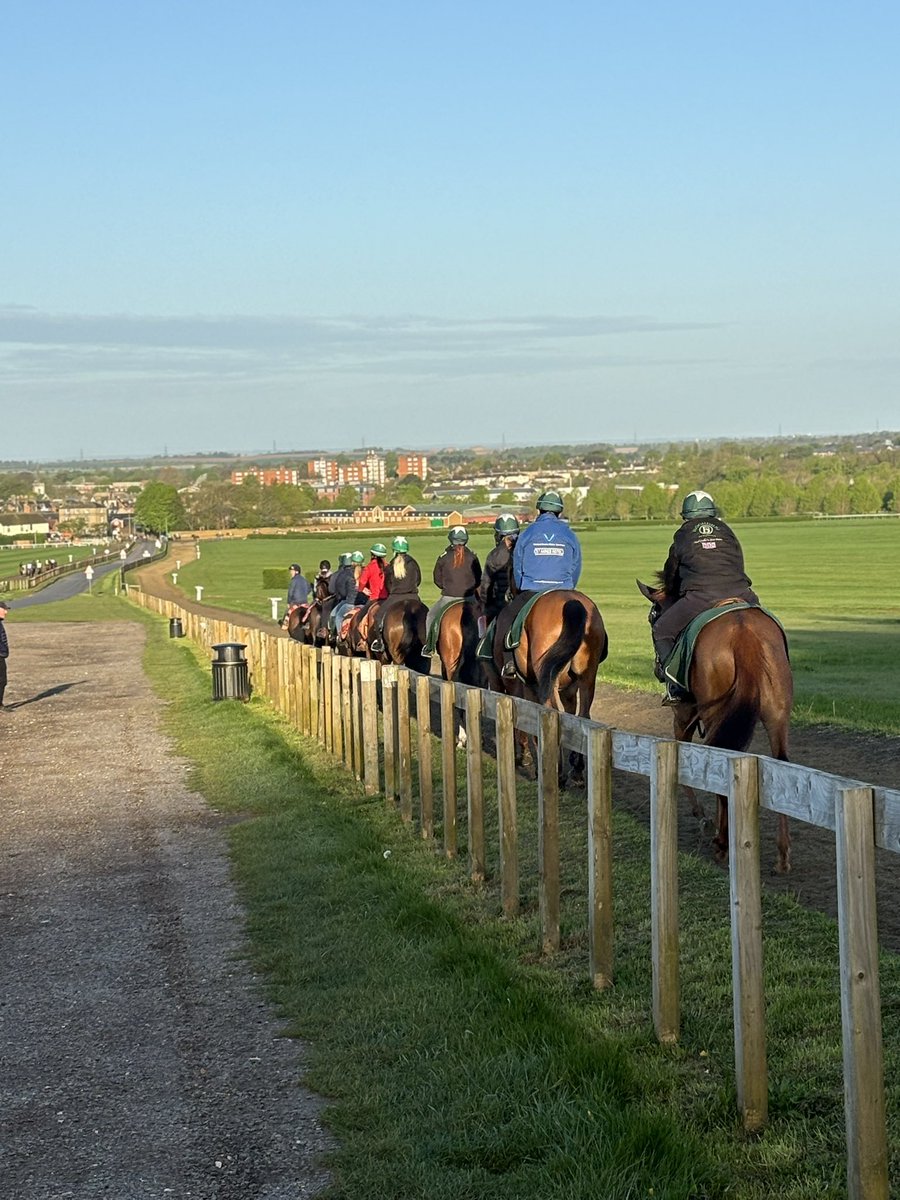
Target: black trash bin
column 175, row 627
column 230, row 673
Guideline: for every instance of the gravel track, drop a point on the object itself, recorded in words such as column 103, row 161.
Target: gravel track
column 137, row 1056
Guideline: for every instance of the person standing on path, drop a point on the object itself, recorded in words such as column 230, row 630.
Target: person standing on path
column 4, row 655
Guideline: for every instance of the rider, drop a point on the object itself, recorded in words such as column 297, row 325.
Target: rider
column 546, row 557
column 371, row 581
column 338, row 576
column 345, row 589
column 457, row 573
column 322, row 580
column 497, row 566
column 402, row 577
column 705, row 565
column 298, row 589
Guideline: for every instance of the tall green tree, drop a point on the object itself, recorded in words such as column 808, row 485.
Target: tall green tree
column 159, row 508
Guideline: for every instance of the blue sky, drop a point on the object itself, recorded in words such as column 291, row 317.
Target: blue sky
column 233, row 226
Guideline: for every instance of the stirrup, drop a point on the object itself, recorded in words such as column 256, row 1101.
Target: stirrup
column 674, row 696
column 376, row 646
column 508, row 670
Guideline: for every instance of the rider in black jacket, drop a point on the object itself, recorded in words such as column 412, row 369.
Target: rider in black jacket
column 705, row 565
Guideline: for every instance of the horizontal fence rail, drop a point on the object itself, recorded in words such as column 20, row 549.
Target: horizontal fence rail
column 362, row 714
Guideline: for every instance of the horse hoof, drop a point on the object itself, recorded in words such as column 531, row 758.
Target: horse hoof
column 461, row 739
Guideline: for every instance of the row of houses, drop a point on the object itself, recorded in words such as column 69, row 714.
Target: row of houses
column 380, row 515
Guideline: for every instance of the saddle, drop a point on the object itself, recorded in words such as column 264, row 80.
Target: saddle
column 485, row 647
column 344, row 631
column 431, row 641
column 677, row 666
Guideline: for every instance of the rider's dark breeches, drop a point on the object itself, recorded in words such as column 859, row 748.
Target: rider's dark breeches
column 668, row 627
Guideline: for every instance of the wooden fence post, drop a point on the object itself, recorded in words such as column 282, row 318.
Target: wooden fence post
column 313, row 693
column 746, row 944
column 664, row 891
column 404, row 751
column 475, row 784
column 369, row 689
column 327, row 711
column 448, row 765
column 347, row 711
column 506, row 804
column 548, row 827
column 600, row 909
column 389, row 731
column 423, row 729
column 356, row 758
column 867, row 1173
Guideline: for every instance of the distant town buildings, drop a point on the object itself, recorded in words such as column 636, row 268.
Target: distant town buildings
column 268, row 476
column 412, row 464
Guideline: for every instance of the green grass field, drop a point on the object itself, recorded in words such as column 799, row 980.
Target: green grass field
column 11, row 557
column 832, row 583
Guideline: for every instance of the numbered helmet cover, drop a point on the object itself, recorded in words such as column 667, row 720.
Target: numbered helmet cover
column 458, row 535
column 550, row 502
column 698, row 504
column 378, row 550
column 400, row 545
column 505, row 524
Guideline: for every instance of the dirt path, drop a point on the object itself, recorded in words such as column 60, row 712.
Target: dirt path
column 138, row 1059
column 867, row 757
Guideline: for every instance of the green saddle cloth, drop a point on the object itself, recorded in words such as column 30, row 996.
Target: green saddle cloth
column 430, row 646
column 677, row 666
column 485, row 648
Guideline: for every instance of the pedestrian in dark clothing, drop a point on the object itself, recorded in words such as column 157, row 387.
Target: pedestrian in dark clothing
column 4, row 655
column 705, row 565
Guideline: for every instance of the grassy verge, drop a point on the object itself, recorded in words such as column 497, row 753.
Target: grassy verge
column 457, row 1063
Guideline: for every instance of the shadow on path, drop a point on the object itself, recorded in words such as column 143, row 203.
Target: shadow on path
column 54, row 691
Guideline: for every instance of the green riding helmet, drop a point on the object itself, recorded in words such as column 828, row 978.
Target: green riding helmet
column 550, row 502
column 458, row 536
column 698, row 504
column 344, row 559
column 506, row 524
column 379, row 550
column 400, row 545
column 357, row 558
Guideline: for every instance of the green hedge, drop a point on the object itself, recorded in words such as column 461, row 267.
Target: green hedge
column 275, row 577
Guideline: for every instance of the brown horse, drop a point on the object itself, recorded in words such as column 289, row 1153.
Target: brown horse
column 563, row 643
column 403, row 634
column 740, row 675
column 457, row 642
column 302, row 623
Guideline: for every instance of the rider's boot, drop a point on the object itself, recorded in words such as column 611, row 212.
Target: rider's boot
column 377, row 645
column 675, row 695
column 508, row 670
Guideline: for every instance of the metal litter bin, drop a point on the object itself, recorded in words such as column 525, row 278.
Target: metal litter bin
column 175, row 627
column 230, row 673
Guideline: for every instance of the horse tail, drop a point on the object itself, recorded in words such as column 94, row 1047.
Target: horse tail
column 410, row 644
column 574, row 624
column 730, row 719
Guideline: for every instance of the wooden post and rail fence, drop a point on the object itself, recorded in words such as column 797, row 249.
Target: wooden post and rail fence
column 338, row 700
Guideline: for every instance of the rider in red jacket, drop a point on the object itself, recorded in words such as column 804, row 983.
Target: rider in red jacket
column 371, row 581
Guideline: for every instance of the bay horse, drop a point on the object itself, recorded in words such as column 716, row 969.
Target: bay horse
column 740, row 676
column 301, row 623
column 403, row 634
column 563, row 643
column 457, row 642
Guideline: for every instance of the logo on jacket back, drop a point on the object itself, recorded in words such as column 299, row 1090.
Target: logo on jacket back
column 555, row 551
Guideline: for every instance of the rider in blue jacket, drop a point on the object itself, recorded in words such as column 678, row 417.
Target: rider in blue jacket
column 547, row 553
column 547, row 557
